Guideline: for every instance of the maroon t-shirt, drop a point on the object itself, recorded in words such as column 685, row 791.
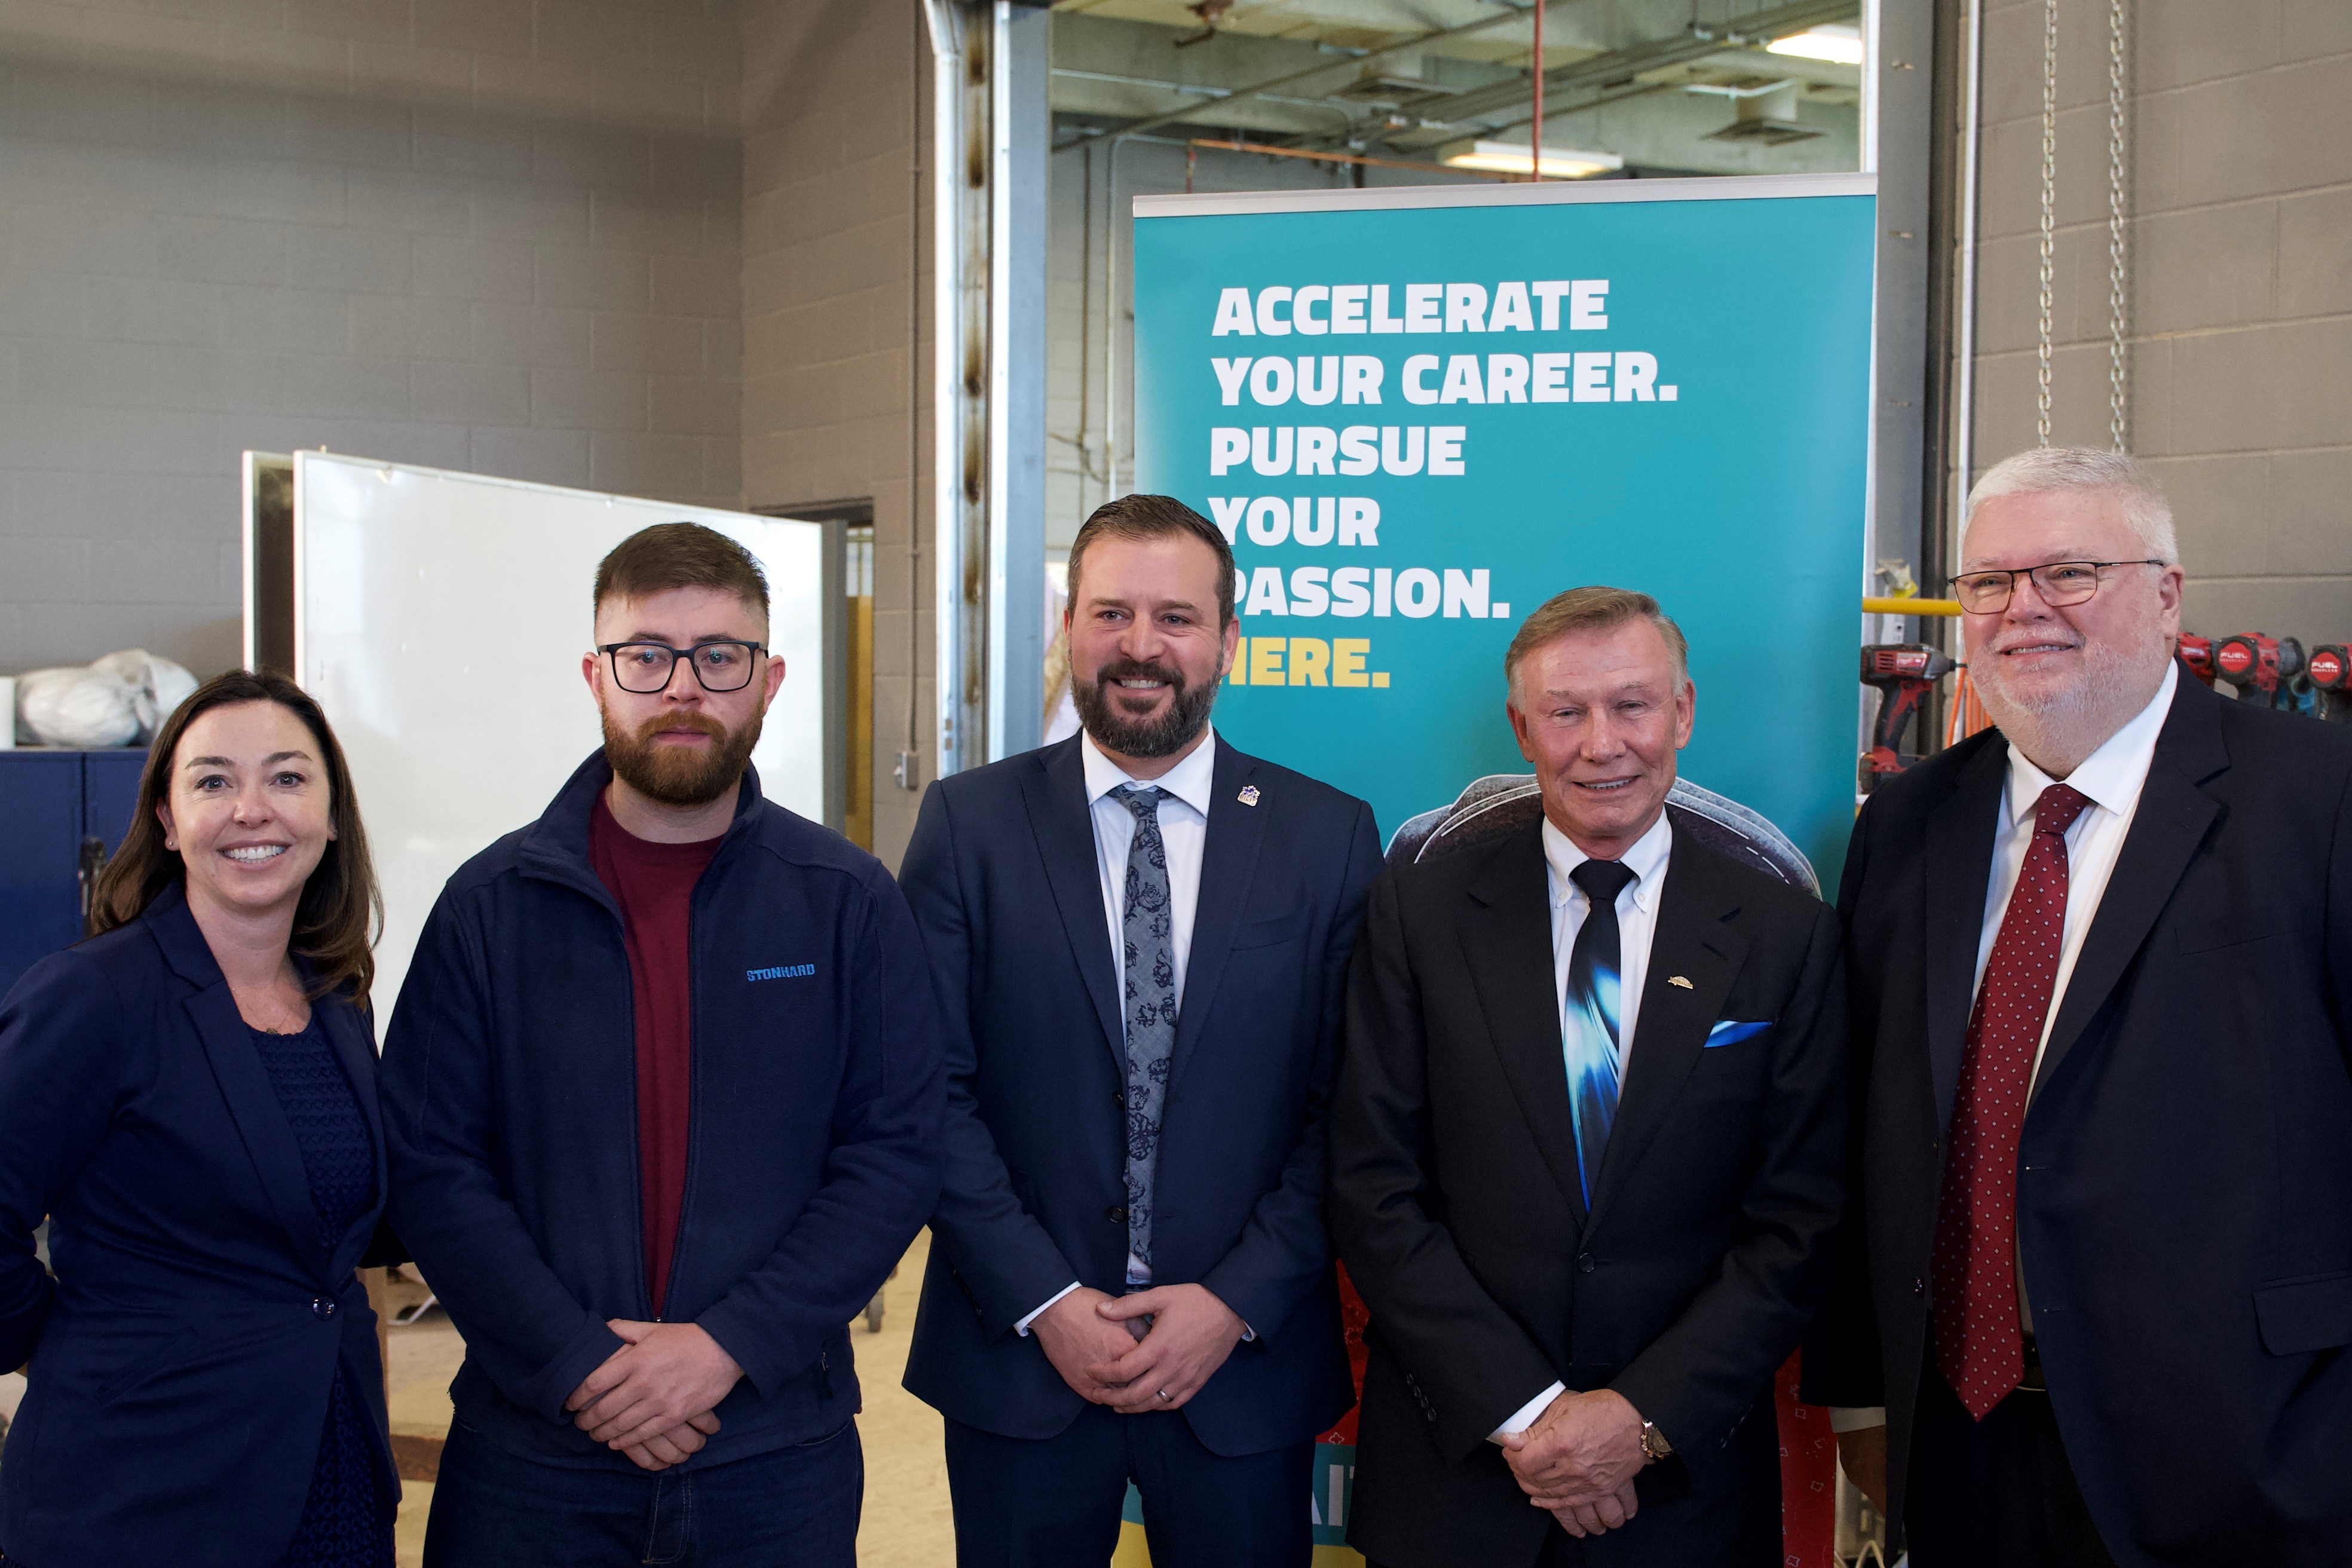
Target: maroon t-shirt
column 654, row 885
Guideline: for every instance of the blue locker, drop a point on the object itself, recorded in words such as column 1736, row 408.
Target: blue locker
column 40, row 845
column 50, row 802
column 110, row 794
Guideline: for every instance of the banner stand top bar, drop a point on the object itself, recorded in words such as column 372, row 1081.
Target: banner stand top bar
column 1394, row 198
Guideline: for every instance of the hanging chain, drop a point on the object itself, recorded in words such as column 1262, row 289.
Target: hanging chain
column 2049, row 196
column 2115, row 382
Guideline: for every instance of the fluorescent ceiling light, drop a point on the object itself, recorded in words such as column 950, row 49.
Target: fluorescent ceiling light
column 1839, row 44
column 1511, row 158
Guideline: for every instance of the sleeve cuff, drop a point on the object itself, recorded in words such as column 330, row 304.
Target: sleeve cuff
column 1021, row 1327
column 1525, row 1417
column 1856, row 1418
column 589, row 1349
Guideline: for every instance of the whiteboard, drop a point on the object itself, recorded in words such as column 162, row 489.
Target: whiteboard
column 390, row 559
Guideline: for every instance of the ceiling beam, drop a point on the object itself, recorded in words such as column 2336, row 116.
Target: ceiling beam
column 1420, row 40
column 1611, row 69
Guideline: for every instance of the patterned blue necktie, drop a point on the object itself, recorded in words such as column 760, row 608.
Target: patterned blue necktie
column 1148, row 927
column 1590, row 1015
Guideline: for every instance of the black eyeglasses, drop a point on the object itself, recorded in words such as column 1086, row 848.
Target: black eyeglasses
column 2059, row 582
column 644, row 667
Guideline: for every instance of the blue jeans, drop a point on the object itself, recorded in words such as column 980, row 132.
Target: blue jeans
column 792, row 1507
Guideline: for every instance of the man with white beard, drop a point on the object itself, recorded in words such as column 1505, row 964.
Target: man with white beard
column 2098, row 1285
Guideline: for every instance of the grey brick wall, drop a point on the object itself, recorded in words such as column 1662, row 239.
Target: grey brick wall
column 826, row 203
column 493, row 234
column 2239, row 238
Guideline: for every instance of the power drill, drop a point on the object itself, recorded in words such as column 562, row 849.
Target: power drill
column 2197, row 656
column 2261, row 667
column 2329, row 669
column 1904, row 674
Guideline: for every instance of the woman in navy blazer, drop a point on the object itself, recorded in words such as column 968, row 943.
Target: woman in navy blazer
column 189, row 1098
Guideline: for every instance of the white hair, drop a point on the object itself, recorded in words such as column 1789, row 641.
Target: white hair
column 2043, row 470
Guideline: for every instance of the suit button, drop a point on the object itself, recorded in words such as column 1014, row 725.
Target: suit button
column 1918, row 1287
column 1430, row 1414
column 322, row 1308
column 1116, row 1215
column 1584, row 1263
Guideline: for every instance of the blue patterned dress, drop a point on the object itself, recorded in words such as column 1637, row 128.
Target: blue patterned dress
column 347, row 1519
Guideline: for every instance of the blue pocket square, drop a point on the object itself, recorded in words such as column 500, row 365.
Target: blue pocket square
column 1729, row 1033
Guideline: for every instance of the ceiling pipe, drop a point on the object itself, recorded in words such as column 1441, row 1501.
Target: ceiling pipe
column 1421, row 40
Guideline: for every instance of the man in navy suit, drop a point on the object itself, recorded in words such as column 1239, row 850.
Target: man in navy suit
column 2097, row 1303
column 1586, row 1150
column 1139, row 938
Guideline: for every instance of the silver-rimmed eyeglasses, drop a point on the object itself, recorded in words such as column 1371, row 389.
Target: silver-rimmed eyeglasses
column 2059, row 582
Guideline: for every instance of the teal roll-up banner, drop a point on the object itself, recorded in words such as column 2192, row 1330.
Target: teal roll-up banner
column 1418, row 412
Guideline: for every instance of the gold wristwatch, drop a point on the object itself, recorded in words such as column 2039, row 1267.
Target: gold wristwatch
column 1654, row 1442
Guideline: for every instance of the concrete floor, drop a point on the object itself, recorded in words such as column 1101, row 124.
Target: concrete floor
column 906, row 1522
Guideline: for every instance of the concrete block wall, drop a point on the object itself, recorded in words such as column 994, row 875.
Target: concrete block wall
column 495, row 235
column 827, row 374
column 2240, row 302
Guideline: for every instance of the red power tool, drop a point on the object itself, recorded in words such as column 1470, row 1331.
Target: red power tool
column 2197, row 656
column 2261, row 667
column 2330, row 669
column 1904, row 674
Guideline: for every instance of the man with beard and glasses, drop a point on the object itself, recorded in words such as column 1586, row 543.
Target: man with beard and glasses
column 661, row 1096
column 2097, row 1287
column 1139, row 937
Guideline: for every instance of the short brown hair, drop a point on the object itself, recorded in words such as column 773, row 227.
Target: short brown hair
column 336, row 923
column 1594, row 610
column 679, row 555
column 1157, row 517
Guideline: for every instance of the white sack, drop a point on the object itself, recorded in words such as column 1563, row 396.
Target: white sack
column 80, row 707
column 118, row 700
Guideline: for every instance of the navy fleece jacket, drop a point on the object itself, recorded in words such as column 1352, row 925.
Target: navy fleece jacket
column 509, row 1104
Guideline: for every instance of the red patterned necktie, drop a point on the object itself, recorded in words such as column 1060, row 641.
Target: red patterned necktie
column 1979, row 1347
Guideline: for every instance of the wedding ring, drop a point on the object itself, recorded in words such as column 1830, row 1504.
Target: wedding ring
column 1163, row 1394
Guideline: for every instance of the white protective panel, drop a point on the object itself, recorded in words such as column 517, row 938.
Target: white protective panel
column 392, row 560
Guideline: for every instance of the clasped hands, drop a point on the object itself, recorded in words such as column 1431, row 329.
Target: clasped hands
column 652, row 1399
column 1579, row 1459
column 1103, row 1349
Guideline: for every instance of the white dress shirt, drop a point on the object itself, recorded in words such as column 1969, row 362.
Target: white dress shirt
column 2111, row 778
column 1637, row 924
column 1183, row 831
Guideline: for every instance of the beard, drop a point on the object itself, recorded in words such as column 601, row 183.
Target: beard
column 2070, row 723
column 1171, row 732
column 679, row 776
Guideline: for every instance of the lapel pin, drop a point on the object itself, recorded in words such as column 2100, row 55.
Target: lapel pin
column 1248, row 796
column 1679, row 980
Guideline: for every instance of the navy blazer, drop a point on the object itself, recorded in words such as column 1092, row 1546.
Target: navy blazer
column 183, row 1355
column 510, row 1092
column 2184, row 1195
column 1001, row 877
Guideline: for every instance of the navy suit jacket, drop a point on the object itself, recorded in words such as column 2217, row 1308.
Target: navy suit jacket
column 2184, row 1198
column 183, row 1355
column 1001, row 877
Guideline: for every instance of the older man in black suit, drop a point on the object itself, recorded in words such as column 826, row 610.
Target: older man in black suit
column 2103, row 1287
column 1587, row 1147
